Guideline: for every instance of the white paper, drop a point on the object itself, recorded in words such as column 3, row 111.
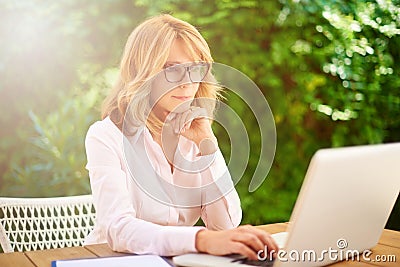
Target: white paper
column 124, row 261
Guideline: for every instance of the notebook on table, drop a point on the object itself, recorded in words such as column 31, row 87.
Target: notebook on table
column 342, row 208
column 120, row 261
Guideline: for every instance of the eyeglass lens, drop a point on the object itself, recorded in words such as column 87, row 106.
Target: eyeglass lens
column 176, row 73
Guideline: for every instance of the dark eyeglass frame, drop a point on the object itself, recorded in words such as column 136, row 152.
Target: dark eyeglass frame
column 188, row 69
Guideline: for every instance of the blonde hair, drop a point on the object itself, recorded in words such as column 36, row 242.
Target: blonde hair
column 145, row 54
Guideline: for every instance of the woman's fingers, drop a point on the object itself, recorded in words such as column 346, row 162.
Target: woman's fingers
column 265, row 237
column 240, row 248
column 171, row 121
column 171, row 116
column 182, row 121
column 257, row 240
column 194, row 114
column 250, row 240
column 177, row 121
column 245, row 240
column 272, row 245
column 198, row 112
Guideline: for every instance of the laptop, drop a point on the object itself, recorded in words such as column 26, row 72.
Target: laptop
column 342, row 208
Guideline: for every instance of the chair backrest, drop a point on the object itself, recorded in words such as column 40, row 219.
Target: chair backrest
column 43, row 223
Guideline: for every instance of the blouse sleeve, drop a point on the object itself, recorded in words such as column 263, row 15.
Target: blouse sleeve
column 221, row 208
column 116, row 216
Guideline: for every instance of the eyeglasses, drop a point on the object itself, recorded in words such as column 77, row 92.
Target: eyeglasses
column 197, row 72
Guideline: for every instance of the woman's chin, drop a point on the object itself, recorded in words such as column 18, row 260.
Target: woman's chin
column 182, row 107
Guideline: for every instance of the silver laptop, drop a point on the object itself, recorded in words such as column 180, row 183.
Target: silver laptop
column 342, row 208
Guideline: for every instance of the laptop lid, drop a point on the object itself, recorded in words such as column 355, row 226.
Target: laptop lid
column 343, row 205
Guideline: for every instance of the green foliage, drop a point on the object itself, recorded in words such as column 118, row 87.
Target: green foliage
column 56, row 153
column 355, row 44
column 44, row 47
column 329, row 69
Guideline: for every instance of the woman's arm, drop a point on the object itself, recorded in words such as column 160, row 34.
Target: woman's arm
column 116, row 215
column 220, row 201
column 221, row 204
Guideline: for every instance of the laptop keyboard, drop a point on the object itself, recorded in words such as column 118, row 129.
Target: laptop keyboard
column 254, row 262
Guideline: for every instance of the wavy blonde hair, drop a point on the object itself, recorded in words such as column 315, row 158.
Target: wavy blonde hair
column 145, row 54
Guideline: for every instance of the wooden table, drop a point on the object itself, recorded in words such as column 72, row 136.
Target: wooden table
column 389, row 244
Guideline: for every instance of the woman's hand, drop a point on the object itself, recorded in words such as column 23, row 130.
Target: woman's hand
column 195, row 125
column 246, row 240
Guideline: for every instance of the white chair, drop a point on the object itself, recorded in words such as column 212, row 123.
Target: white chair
column 43, row 223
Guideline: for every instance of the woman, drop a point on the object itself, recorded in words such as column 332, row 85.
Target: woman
column 156, row 127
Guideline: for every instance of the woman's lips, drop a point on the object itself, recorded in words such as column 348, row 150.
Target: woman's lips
column 182, row 98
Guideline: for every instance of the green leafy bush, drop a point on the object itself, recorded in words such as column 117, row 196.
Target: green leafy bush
column 54, row 162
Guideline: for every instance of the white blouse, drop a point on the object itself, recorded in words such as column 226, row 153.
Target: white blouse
column 143, row 207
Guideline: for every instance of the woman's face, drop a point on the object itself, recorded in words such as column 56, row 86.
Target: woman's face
column 173, row 96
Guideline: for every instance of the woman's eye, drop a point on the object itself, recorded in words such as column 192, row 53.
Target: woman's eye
column 172, row 69
column 198, row 66
column 195, row 68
